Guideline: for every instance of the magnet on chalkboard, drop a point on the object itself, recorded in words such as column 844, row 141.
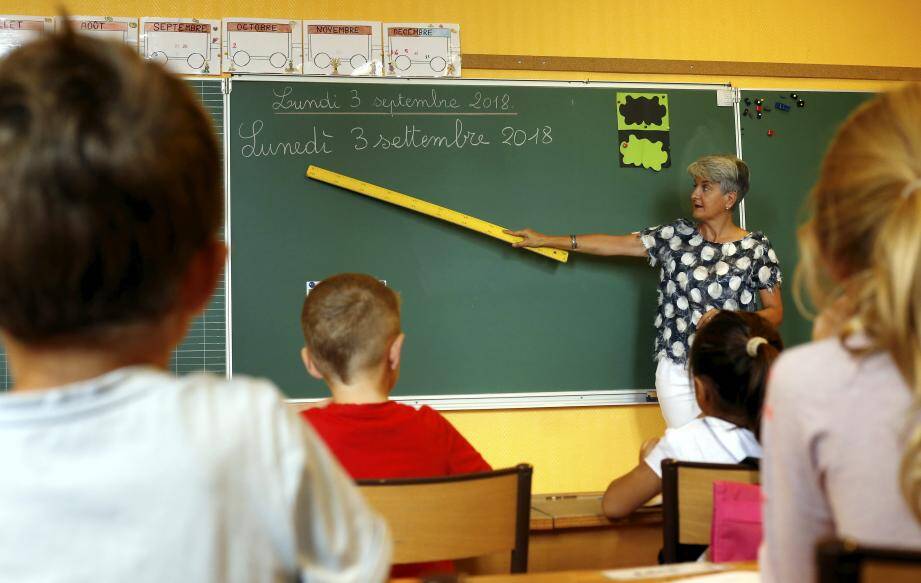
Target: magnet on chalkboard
column 793, row 96
column 801, row 103
column 770, row 133
column 759, row 115
column 748, row 101
column 745, row 113
column 781, row 106
column 758, row 108
column 759, row 101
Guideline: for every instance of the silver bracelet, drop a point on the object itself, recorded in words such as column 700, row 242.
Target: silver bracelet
column 573, row 243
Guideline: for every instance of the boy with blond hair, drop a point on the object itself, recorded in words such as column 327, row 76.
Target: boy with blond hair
column 353, row 341
column 113, row 469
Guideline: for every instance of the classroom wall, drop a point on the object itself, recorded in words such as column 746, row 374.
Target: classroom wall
column 848, row 32
column 582, row 448
column 576, row 449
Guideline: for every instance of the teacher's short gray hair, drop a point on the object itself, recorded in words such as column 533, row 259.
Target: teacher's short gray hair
column 729, row 171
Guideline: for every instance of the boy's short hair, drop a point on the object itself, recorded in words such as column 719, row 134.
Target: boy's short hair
column 349, row 321
column 111, row 183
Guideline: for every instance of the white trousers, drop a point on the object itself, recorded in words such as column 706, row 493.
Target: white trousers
column 676, row 393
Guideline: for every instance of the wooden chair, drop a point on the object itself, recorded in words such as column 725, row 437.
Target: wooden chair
column 843, row 561
column 687, row 500
column 456, row 517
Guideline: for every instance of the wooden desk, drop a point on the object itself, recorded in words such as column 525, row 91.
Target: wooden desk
column 584, row 576
column 582, row 537
column 540, row 521
column 569, row 532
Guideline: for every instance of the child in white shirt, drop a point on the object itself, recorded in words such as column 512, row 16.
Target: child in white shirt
column 730, row 359
column 112, row 469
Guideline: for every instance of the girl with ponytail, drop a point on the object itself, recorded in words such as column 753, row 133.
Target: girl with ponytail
column 729, row 362
column 841, row 433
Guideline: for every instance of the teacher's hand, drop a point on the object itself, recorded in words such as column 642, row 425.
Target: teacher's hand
column 708, row 315
column 529, row 238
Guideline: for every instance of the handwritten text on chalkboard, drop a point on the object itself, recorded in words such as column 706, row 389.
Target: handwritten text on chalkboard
column 465, row 132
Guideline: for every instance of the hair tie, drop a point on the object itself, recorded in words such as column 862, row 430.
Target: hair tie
column 753, row 343
column 911, row 187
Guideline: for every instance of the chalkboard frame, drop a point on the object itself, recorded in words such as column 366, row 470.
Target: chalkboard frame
column 514, row 400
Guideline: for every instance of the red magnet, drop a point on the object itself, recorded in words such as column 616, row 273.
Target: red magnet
column 758, row 108
column 770, row 133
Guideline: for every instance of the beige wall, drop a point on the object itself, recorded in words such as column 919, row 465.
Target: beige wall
column 582, row 448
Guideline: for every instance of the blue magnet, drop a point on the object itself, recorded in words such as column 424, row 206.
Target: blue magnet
column 781, row 106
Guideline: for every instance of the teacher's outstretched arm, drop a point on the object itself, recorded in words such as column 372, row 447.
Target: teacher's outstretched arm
column 597, row 244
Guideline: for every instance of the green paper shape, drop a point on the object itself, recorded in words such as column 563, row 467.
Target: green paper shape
column 646, row 117
column 642, row 152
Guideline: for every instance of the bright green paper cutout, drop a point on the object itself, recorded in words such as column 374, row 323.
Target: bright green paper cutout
column 622, row 124
column 642, row 152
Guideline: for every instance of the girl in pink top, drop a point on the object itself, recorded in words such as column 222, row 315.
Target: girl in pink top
column 842, row 450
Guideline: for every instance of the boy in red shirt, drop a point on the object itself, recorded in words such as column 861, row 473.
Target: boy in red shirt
column 351, row 325
column 353, row 340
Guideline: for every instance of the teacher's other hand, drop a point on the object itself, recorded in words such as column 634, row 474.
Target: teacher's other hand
column 529, row 238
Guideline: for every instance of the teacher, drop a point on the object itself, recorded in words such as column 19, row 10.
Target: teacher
column 705, row 265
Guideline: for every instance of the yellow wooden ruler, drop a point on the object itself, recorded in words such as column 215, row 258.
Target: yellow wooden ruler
column 426, row 208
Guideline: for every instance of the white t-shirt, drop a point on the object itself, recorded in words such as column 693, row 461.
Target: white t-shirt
column 704, row 439
column 141, row 476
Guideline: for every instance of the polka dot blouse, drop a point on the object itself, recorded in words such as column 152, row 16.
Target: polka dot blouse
column 697, row 275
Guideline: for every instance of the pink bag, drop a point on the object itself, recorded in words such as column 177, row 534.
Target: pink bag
column 736, row 531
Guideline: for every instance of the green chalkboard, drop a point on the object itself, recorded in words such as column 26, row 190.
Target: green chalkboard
column 784, row 166
column 480, row 317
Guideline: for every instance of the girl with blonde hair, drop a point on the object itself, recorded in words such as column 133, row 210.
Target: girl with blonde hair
column 841, row 440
